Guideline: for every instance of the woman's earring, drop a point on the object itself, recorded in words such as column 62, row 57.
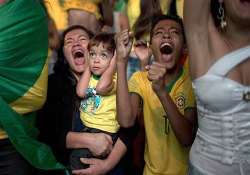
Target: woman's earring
column 221, row 17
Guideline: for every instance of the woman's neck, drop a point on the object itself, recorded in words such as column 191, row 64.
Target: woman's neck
column 237, row 35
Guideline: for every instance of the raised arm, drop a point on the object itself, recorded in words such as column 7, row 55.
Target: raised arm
column 196, row 21
column 83, row 83
column 125, row 114
column 106, row 82
column 196, row 14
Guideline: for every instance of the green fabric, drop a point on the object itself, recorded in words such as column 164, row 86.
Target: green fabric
column 170, row 85
column 23, row 53
column 120, row 5
column 96, row 77
column 61, row 2
column 21, row 133
column 23, row 46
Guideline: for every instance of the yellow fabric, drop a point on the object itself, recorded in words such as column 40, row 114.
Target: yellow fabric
column 57, row 13
column 37, row 94
column 133, row 11
column 179, row 6
column 3, row 134
column 102, row 116
column 163, row 153
column 90, row 6
column 164, row 6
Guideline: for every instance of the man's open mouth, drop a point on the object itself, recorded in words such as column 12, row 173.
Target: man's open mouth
column 166, row 48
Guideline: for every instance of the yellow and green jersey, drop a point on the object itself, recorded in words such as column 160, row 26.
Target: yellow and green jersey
column 163, row 155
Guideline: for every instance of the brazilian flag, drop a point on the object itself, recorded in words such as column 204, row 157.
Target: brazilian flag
column 23, row 78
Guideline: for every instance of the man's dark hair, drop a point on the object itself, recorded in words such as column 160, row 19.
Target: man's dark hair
column 175, row 18
column 106, row 38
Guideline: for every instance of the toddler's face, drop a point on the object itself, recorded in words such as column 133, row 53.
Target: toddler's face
column 99, row 59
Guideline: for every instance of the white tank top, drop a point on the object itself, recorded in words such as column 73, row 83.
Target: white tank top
column 222, row 143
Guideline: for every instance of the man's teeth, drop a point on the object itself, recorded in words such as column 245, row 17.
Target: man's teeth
column 165, row 44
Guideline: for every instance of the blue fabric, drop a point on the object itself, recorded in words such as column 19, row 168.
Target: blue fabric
column 133, row 66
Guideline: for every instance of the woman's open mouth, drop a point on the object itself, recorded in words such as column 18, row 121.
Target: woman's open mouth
column 78, row 56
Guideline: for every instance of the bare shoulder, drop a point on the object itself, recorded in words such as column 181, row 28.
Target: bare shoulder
column 196, row 21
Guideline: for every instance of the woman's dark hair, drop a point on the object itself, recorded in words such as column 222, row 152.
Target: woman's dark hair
column 214, row 8
column 62, row 67
column 149, row 10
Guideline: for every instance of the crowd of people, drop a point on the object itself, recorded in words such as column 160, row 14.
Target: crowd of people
column 124, row 87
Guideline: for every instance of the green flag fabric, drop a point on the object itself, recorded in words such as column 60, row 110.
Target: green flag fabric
column 23, row 55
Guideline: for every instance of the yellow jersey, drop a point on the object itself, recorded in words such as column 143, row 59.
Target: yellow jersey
column 163, row 155
column 99, row 111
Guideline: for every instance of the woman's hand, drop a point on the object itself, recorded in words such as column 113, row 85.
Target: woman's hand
column 100, row 167
column 96, row 167
column 101, row 144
